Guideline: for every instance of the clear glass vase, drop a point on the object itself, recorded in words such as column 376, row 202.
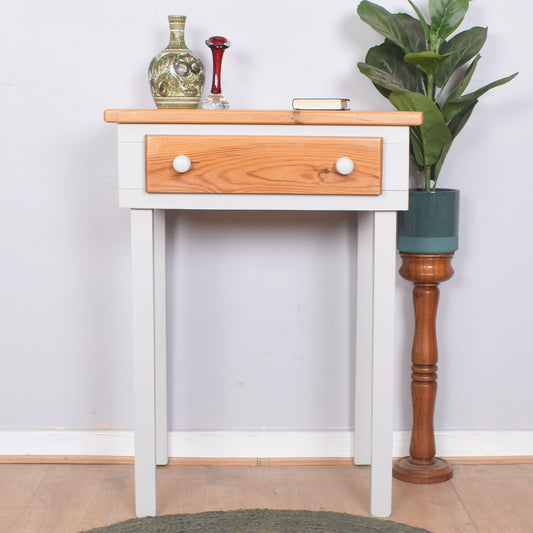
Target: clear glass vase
column 176, row 74
column 215, row 99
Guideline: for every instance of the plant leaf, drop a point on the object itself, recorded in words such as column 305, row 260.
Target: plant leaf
column 455, row 126
column 453, row 107
column 382, row 78
column 440, row 162
column 459, row 50
column 417, row 149
column 389, row 58
column 484, row 89
column 446, row 15
column 427, row 61
column 423, row 23
column 461, row 87
column 400, row 28
column 457, row 123
column 434, row 132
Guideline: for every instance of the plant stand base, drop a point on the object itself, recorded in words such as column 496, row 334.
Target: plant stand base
column 426, row 272
column 407, row 469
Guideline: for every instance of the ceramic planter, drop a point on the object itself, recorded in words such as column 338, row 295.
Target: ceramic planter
column 431, row 225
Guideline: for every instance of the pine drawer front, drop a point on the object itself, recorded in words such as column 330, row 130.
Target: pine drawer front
column 263, row 164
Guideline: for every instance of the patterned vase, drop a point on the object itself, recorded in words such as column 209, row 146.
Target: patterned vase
column 176, row 74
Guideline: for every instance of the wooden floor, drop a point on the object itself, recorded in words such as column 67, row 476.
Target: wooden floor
column 41, row 498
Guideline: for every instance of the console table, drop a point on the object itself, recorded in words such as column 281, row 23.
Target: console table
column 265, row 160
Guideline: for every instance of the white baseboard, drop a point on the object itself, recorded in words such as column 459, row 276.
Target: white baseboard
column 465, row 443
column 264, row 444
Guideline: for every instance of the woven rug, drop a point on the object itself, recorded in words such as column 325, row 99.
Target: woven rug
column 259, row 521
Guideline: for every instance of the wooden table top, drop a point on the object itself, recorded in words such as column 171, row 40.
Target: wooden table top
column 204, row 116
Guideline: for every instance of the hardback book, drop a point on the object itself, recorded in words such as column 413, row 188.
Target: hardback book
column 332, row 104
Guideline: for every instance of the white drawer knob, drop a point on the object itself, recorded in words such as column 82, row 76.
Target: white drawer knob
column 344, row 166
column 181, row 164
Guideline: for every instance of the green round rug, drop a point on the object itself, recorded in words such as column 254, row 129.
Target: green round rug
column 258, row 521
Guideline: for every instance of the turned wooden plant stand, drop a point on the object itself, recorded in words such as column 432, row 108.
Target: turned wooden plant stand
column 426, row 272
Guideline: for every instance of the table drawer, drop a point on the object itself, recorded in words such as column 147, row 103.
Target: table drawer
column 263, row 164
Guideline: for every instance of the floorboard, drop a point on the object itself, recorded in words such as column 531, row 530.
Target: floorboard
column 435, row 507
column 498, row 498
column 67, row 498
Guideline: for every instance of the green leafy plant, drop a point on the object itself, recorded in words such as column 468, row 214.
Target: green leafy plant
column 418, row 69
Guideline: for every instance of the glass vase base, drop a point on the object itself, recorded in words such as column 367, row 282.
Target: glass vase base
column 214, row 101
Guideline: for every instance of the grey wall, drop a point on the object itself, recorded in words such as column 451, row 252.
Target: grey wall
column 259, row 304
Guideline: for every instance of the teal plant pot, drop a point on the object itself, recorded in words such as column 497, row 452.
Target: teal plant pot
column 431, row 225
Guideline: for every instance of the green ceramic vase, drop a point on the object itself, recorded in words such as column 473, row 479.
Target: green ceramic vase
column 176, row 74
column 431, row 225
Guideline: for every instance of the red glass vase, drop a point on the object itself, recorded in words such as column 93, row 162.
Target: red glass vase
column 215, row 99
